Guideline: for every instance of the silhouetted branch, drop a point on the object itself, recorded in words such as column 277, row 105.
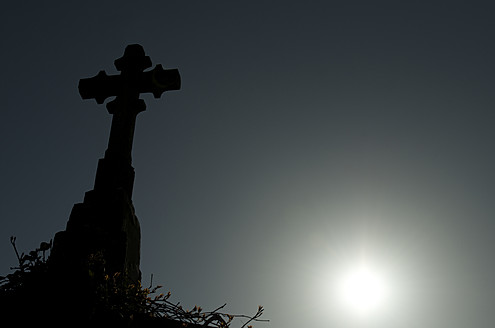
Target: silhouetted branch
column 113, row 295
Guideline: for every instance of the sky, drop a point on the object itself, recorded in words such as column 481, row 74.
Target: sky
column 308, row 138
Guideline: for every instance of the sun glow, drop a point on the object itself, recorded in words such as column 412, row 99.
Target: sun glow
column 362, row 290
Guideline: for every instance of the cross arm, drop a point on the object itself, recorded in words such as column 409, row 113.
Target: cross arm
column 156, row 81
column 159, row 80
column 100, row 87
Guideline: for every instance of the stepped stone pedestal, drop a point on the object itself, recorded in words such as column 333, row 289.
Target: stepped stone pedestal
column 106, row 225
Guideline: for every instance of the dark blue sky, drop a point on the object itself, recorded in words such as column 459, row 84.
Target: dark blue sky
column 306, row 134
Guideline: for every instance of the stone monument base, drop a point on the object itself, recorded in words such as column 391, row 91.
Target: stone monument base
column 104, row 225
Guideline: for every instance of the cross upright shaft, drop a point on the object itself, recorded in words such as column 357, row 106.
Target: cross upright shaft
column 115, row 170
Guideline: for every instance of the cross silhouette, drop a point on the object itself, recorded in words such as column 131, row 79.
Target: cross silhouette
column 115, row 170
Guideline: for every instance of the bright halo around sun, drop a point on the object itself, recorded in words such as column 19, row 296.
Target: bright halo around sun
column 363, row 290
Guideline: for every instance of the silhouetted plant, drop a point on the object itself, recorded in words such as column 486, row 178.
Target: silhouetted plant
column 112, row 296
column 31, row 268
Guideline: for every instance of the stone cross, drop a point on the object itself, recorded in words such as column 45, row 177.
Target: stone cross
column 127, row 87
column 105, row 223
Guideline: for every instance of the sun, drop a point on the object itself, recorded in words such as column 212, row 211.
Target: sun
column 362, row 290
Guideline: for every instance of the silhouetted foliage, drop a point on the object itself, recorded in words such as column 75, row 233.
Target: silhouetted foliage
column 35, row 290
column 32, row 268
